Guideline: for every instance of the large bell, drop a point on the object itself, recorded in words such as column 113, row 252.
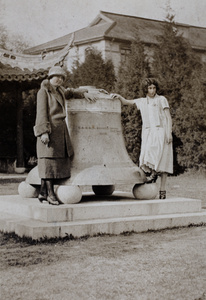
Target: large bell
column 100, row 156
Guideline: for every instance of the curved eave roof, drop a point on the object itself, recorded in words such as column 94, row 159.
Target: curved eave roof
column 7, row 73
column 22, row 67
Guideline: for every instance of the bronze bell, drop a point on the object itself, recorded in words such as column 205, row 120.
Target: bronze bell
column 100, row 156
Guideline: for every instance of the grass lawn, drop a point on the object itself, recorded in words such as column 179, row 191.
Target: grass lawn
column 161, row 265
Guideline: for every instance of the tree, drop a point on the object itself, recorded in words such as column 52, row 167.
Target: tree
column 3, row 37
column 94, row 71
column 133, row 70
column 191, row 120
column 128, row 85
column 11, row 42
column 171, row 61
column 179, row 72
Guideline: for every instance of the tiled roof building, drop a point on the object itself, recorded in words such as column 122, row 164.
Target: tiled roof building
column 112, row 34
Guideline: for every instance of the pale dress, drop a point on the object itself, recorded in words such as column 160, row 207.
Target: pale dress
column 155, row 152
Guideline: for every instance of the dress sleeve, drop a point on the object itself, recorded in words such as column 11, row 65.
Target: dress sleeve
column 164, row 102
column 138, row 103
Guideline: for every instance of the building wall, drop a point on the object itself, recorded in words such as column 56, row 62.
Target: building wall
column 115, row 51
column 78, row 52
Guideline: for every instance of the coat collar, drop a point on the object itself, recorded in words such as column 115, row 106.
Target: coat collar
column 49, row 88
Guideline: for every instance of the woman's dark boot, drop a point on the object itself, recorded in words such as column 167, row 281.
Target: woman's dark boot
column 162, row 195
column 51, row 197
column 43, row 191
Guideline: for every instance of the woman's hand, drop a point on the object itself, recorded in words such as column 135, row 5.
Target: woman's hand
column 103, row 91
column 169, row 138
column 115, row 96
column 90, row 97
column 45, row 138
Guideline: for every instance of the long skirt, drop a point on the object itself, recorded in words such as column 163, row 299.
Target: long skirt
column 155, row 152
column 52, row 168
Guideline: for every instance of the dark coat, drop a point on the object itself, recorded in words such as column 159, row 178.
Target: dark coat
column 50, row 118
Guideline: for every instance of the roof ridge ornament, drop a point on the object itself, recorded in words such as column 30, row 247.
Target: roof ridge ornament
column 35, row 62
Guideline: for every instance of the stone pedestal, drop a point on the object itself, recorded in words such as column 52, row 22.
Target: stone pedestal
column 113, row 214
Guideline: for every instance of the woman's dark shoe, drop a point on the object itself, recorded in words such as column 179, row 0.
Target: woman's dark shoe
column 147, row 174
column 162, row 195
column 60, row 202
column 42, row 197
column 152, row 178
column 52, row 200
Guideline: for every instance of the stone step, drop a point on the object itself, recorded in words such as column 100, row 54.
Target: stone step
column 119, row 205
column 96, row 215
column 35, row 229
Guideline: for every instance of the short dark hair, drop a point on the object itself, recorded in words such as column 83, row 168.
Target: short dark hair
column 147, row 82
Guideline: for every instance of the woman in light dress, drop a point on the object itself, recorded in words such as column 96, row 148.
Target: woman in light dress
column 156, row 156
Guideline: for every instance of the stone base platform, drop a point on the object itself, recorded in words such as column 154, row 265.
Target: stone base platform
column 96, row 215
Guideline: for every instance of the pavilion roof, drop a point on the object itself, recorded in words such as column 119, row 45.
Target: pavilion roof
column 18, row 67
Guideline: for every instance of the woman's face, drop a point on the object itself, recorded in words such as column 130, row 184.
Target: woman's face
column 57, row 80
column 151, row 90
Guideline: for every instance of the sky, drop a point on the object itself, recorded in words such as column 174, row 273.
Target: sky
column 39, row 21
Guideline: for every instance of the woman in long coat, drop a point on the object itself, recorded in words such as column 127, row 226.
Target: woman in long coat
column 54, row 148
